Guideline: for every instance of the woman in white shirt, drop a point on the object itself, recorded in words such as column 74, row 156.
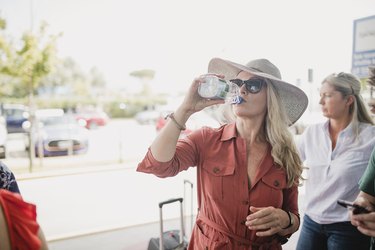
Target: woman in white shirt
column 336, row 154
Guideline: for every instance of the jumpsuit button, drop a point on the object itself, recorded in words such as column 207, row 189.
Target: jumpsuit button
column 276, row 183
column 216, row 170
column 245, row 202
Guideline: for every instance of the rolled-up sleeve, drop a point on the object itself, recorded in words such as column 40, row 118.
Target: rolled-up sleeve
column 291, row 200
column 185, row 156
column 150, row 165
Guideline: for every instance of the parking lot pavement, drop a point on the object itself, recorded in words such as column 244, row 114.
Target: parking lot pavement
column 115, row 208
column 129, row 238
column 84, row 203
column 135, row 237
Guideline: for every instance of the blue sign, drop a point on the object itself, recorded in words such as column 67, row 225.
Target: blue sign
column 363, row 46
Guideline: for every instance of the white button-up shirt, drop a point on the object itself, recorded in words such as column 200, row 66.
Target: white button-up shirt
column 333, row 174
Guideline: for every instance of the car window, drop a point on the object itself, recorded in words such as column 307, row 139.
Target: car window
column 57, row 120
column 17, row 113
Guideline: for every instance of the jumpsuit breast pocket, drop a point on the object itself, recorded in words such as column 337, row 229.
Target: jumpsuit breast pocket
column 216, row 175
column 274, row 184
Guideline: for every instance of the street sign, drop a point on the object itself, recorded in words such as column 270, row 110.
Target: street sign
column 363, row 46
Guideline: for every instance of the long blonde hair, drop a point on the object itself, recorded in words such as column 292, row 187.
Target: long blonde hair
column 348, row 84
column 284, row 150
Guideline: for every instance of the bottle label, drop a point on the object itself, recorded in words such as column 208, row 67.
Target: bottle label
column 213, row 88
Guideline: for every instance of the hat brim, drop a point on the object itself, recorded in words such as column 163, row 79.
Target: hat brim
column 292, row 98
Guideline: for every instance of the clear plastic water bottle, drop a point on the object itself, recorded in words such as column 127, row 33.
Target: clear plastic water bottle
column 214, row 87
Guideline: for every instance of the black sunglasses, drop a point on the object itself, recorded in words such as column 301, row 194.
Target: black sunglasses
column 253, row 85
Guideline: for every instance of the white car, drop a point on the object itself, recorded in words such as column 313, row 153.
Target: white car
column 57, row 134
column 147, row 116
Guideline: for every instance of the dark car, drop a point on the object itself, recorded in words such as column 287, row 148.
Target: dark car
column 15, row 115
column 58, row 134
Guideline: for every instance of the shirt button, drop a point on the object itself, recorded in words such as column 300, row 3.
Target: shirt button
column 276, row 183
column 216, row 170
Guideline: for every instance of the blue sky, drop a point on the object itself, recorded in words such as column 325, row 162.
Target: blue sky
column 177, row 38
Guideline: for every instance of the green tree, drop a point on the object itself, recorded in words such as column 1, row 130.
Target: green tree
column 145, row 76
column 74, row 81
column 97, row 78
column 27, row 62
column 69, row 75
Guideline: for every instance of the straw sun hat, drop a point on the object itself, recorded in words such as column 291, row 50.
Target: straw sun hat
column 292, row 98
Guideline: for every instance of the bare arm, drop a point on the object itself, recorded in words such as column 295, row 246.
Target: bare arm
column 163, row 147
column 4, row 234
column 42, row 239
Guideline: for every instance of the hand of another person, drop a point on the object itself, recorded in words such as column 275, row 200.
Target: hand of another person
column 193, row 102
column 267, row 220
column 365, row 223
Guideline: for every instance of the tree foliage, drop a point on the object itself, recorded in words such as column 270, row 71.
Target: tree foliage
column 68, row 79
column 24, row 64
column 143, row 74
column 31, row 66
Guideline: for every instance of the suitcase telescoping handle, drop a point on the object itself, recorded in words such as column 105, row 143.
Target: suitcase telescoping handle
column 191, row 203
column 161, row 204
column 187, row 181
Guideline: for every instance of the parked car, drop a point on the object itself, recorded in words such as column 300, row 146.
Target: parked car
column 147, row 116
column 57, row 134
column 92, row 119
column 15, row 115
column 3, row 137
column 196, row 121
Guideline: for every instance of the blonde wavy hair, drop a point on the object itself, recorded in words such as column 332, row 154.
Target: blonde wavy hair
column 348, row 84
column 284, row 150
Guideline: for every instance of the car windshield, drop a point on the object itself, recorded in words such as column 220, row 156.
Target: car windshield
column 57, row 120
column 14, row 112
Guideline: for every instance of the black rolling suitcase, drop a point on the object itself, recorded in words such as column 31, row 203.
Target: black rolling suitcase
column 170, row 239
